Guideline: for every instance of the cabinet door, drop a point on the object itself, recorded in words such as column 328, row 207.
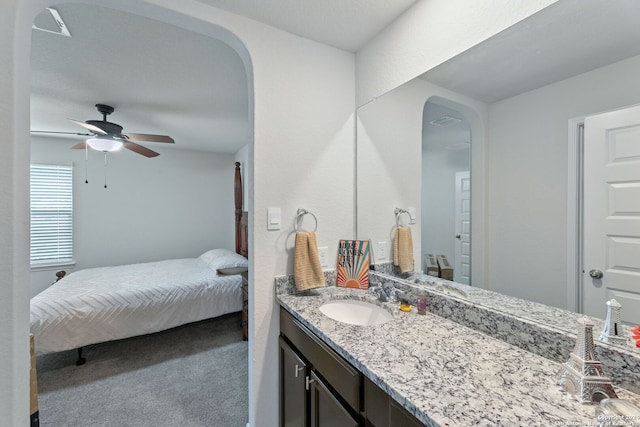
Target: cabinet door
column 382, row 411
column 326, row 410
column 343, row 378
column 399, row 417
column 376, row 405
column 293, row 392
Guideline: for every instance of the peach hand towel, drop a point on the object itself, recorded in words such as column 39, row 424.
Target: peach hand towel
column 307, row 269
column 403, row 249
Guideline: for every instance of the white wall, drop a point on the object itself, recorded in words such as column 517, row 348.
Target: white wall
column 176, row 205
column 527, row 178
column 14, row 220
column 302, row 105
column 303, row 157
column 428, row 34
column 438, row 201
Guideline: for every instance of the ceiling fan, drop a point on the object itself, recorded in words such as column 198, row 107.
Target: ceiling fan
column 107, row 136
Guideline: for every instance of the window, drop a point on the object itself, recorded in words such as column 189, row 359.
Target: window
column 51, row 215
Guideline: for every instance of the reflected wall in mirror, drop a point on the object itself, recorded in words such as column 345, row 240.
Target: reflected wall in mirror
column 446, row 188
column 391, row 131
column 521, row 92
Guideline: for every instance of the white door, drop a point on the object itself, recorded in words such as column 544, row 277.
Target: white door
column 462, row 261
column 612, row 213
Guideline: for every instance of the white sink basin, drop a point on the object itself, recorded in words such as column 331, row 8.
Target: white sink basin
column 356, row 312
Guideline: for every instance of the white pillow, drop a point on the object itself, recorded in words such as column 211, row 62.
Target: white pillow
column 230, row 260
column 232, row 270
column 209, row 256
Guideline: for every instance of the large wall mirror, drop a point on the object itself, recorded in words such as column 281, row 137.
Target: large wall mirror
column 502, row 123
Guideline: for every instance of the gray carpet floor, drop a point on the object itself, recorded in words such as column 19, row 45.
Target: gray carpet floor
column 193, row 375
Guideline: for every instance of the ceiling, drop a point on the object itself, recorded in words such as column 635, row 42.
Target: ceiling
column 453, row 134
column 198, row 96
column 565, row 39
column 345, row 24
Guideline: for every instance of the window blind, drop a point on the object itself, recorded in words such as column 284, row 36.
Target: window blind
column 51, row 214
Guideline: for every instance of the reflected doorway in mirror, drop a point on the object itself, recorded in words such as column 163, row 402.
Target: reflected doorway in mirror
column 611, row 209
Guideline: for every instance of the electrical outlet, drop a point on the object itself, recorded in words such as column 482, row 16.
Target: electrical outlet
column 412, row 213
column 324, row 256
column 382, row 251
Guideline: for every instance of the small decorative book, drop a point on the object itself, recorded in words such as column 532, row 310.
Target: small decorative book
column 353, row 264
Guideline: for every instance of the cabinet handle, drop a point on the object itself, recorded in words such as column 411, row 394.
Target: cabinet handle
column 298, row 369
column 308, row 381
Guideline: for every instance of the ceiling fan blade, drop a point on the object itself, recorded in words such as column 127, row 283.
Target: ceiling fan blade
column 92, row 128
column 149, row 137
column 140, row 149
column 80, row 145
column 61, row 133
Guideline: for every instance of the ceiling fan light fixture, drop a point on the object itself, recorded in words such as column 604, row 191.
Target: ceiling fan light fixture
column 106, row 145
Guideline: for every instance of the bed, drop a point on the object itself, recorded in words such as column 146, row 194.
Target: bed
column 110, row 303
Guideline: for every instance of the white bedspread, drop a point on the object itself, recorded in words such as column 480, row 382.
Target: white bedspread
column 110, row 303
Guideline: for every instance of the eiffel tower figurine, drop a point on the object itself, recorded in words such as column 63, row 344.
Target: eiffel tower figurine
column 582, row 374
column 610, row 332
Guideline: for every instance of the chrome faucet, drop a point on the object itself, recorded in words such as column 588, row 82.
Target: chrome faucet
column 386, row 293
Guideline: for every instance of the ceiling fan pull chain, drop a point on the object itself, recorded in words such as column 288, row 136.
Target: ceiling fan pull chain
column 86, row 163
column 105, row 169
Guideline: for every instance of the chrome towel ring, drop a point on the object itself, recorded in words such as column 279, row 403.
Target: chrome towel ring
column 300, row 214
column 400, row 211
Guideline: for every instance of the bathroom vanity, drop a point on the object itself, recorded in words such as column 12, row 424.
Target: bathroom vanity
column 320, row 388
column 420, row 369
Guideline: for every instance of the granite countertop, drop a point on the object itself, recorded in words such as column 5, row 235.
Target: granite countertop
column 547, row 331
column 444, row 373
column 561, row 319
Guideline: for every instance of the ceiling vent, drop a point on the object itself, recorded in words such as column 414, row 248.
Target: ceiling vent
column 445, row 121
column 457, row 146
column 50, row 21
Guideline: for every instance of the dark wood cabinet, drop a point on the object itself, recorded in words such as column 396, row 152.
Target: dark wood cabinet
column 382, row 411
column 318, row 388
column 376, row 405
column 293, row 388
column 326, row 409
column 399, row 417
column 343, row 378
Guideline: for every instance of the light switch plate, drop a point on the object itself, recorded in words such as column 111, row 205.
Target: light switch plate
column 274, row 218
